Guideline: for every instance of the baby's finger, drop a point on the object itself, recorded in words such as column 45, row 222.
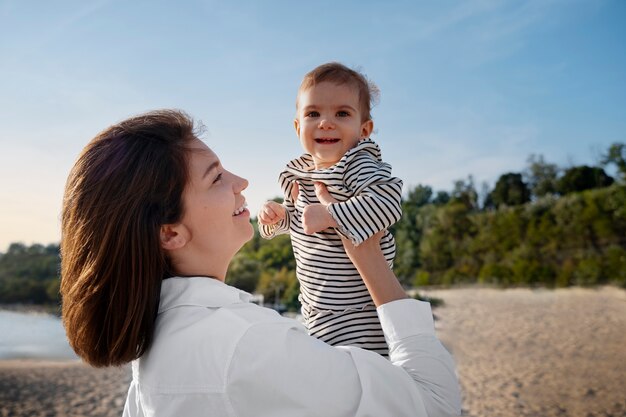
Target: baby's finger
column 278, row 213
column 268, row 214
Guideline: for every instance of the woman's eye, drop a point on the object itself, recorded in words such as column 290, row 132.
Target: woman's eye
column 219, row 177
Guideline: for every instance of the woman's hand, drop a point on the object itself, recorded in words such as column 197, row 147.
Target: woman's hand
column 316, row 217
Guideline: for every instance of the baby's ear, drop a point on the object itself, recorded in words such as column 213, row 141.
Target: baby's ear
column 296, row 125
column 366, row 128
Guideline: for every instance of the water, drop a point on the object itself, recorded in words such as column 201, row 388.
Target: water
column 32, row 336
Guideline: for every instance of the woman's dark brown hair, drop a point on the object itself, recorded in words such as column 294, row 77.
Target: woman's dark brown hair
column 126, row 183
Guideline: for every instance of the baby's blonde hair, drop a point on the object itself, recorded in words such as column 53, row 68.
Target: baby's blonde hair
column 340, row 74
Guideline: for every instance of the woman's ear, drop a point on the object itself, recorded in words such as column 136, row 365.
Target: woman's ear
column 173, row 236
column 366, row 128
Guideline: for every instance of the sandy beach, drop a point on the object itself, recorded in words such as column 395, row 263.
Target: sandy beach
column 45, row 388
column 519, row 352
column 539, row 353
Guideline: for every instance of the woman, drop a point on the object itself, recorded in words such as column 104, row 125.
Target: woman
column 150, row 222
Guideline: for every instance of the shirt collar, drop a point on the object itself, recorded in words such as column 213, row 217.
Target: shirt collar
column 304, row 166
column 198, row 291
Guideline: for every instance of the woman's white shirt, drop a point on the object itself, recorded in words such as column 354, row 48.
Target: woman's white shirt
column 216, row 354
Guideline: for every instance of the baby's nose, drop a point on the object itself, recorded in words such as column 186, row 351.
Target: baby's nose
column 326, row 124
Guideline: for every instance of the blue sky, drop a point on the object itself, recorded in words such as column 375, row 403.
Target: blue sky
column 467, row 87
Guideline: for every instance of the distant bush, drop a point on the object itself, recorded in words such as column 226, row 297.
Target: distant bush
column 30, row 274
column 577, row 239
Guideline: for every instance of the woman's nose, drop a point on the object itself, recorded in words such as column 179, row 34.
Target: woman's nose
column 240, row 184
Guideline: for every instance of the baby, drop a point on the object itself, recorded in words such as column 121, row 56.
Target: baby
column 333, row 122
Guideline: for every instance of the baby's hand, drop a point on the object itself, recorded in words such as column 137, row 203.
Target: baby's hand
column 315, row 218
column 271, row 213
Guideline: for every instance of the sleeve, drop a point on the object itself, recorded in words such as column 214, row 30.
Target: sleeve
column 376, row 203
column 303, row 375
column 282, row 227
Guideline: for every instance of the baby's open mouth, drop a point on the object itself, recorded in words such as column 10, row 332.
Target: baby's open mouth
column 326, row 140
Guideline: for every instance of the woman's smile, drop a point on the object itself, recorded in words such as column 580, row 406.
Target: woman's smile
column 242, row 211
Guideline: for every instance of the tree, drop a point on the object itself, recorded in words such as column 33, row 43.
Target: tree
column 408, row 234
column 17, row 249
column 244, row 272
column 418, row 197
column 541, row 176
column 441, row 198
column 582, row 178
column 486, row 201
column 276, row 253
column 616, row 154
column 278, row 286
column 465, row 193
column 510, row 190
column 29, row 274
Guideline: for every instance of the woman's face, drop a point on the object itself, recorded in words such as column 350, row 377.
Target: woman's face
column 215, row 217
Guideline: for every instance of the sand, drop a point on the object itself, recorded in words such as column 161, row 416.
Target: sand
column 44, row 388
column 525, row 352
column 519, row 352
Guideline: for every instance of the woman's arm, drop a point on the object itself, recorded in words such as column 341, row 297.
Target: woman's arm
column 279, row 370
column 369, row 260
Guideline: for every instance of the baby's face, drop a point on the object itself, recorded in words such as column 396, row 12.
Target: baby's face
column 329, row 123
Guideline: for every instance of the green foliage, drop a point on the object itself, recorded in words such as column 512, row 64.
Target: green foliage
column 616, row 154
column 614, row 264
column 422, row 278
column 276, row 253
column 495, row 273
column 541, row 176
column 280, row 287
column 578, row 239
column 408, row 232
column 418, row 197
column 244, row 272
column 465, row 193
column 581, row 178
column 441, row 198
column 30, row 274
column 510, row 190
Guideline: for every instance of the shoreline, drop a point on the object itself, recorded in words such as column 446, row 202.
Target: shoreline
column 30, row 362
column 51, row 309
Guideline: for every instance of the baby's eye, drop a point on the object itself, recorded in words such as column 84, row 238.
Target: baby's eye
column 312, row 114
column 343, row 113
column 217, row 178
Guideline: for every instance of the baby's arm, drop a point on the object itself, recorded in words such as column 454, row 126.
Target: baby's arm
column 273, row 219
column 271, row 213
column 377, row 200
